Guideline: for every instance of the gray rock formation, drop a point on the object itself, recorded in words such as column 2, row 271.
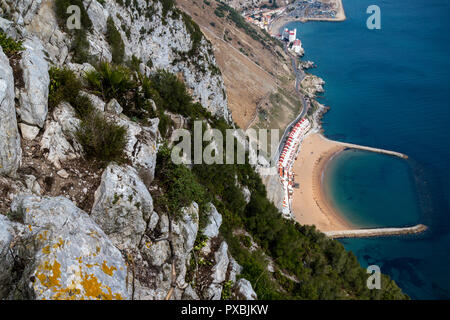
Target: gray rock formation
column 66, row 117
column 235, row 269
column 68, row 256
column 190, row 294
column 142, row 145
column 28, row 132
column 114, row 107
column 34, row 96
column 98, row 103
column 244, row 290
column 184, row 234
column 7, row 235
column 55, row 145
column 214, row 222
column 122, row 206
column 10, row 151
column 165, row 43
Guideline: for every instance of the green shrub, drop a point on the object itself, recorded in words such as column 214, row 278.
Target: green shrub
column 82, row 105
column 179, row 186
column 173, row 93
column 226, row 291
column 64, row 86
column 80, row 47
column 111, row 81
column 9, row 46
column 115, row 42
column 101, row 139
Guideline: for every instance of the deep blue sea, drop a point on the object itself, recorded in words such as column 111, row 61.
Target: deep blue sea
column 390, row 88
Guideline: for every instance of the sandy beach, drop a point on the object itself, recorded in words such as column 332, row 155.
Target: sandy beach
column 309, row 204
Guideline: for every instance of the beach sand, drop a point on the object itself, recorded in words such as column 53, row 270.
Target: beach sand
column 309, row 203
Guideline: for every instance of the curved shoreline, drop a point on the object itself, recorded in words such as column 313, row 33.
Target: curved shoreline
column 312, row 206
column 310, row 203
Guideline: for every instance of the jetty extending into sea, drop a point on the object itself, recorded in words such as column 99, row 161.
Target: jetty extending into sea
column 360, row 233
column 377, row 150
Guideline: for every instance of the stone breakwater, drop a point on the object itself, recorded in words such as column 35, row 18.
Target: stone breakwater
column 376, row 150
column 360, row 233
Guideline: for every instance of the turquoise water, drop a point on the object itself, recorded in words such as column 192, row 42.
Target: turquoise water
column 372, row 190
column 390, row 89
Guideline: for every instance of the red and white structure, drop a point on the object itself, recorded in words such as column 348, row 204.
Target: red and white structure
column 286, row 161
column 289, row 35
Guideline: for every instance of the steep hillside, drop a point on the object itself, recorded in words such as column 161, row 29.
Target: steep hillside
column 257, row 73
column 92, row 205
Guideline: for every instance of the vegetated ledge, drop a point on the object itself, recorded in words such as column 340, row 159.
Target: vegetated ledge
column 362, row 233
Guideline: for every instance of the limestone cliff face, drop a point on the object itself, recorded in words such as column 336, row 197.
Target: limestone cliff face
column 161, row 40
column 69, row 230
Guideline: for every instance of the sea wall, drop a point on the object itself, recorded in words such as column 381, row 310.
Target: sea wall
column 360, row 233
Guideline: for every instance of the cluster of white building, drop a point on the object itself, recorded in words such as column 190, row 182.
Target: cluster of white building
column 295, row 45
column 286, row 162
column 262, row 17
column 289, row 35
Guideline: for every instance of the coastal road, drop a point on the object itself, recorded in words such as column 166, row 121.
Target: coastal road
column 299, row 76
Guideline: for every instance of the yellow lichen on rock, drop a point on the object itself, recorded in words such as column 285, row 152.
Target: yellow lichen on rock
column 49, row 274
column 108, row 270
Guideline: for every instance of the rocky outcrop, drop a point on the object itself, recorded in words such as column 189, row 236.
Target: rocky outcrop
column 114, row 107
column 274, row 188
column 219, row 273
column 312, row 85
column 244, row 290
column 7, row 235
column 159, row 41
column 10, row 151
column 184, row 234
column 122, row 206
column 66, row 117
column 34, row 96
column 235, row 269
column 50, row 248
column 214, row 222
column 142, row 145
column 97, row 103
column 65, row 254
column 55, row 146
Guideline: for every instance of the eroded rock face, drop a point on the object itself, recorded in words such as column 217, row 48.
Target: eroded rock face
column 244, row 290
column 7, row 234
column 68, row 255
column 34, row 97
column 142, row 145
column 10, row 151
column 122, row 206
column 235, row 269
column 219, row 272
column 214, row 222
column 184, row 234
column 55, row 145
column 165, row 41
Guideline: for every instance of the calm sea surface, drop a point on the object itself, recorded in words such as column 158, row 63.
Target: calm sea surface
column 390, row 88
